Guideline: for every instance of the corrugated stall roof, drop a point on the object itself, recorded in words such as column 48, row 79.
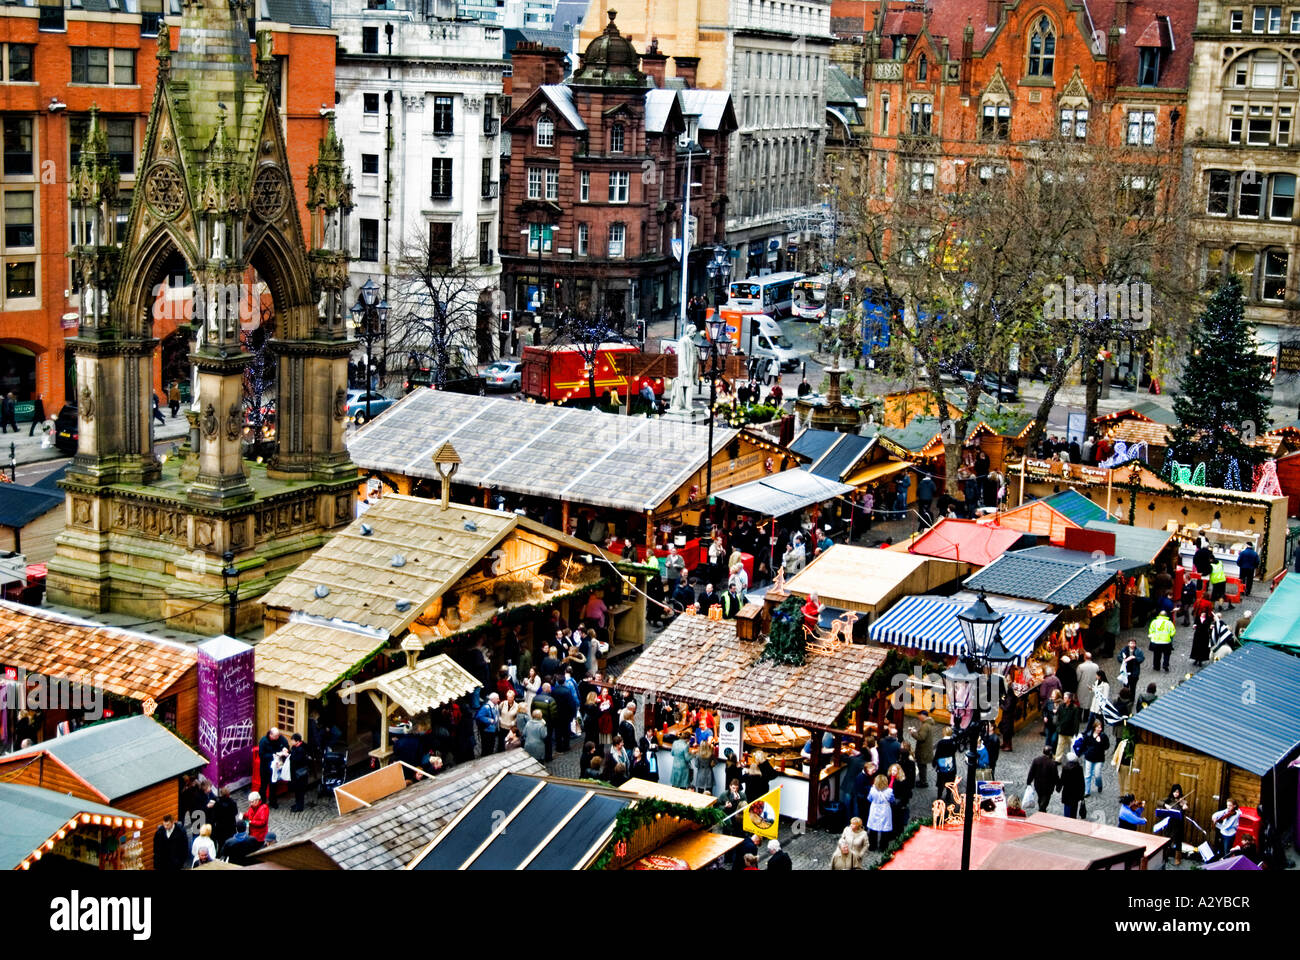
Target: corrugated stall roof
column 782, row 493
column 1033, row 575
column 1133, row 543
column 1211, row 714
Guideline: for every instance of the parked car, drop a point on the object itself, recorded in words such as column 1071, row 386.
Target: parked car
column 457, row 380
column 504, row 375
column 1006, row 392
column 65, row 429
column 357, row 402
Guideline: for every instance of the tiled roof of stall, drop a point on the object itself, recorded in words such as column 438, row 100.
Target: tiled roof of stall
column 310, row 658
column 426, row 686
column 703, row 661
column 124, row 663
column 1209, row 713
column 602, row 459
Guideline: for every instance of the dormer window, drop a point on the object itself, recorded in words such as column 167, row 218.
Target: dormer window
column 1042, row 49
column 545, row 132
column 1148, row 66
column 922, row 67
column 616, row 138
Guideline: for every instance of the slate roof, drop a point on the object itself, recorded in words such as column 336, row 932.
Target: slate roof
column 388, row 834
column 20, row 505
column 1133, row 543
column 703, row 662
column 841, row 88
column 1047, row 574
column 561, row 97
column 124, row 663
column 834, row 455
column 119, row 757
column 1209, row 714
column 711, row 106
column 31, row 815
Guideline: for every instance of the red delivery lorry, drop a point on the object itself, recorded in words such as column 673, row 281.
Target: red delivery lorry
column 558, row 374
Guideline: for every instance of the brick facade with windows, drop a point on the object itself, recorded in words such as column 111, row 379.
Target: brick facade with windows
column 594, row 179
column 55, row 64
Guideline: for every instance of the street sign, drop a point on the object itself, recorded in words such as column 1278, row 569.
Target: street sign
column 677, row 248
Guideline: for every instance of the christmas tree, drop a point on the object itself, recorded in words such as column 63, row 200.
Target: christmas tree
column 786, row 643
column 1225, row 399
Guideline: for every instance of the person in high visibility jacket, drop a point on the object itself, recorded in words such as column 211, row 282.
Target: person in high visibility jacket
column 1160, row 636
column 1218, row 582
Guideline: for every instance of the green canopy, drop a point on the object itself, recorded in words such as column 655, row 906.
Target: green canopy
column 1278, row 620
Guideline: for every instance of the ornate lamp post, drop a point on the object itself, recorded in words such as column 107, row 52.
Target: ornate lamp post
column 370, row 315
column 719, row 269
column 230, row 584
column 969, row 706
column 712, row 350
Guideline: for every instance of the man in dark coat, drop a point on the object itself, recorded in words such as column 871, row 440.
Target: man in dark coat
column 778, row 859
column 708, row 598
column 171, row 847
column 748, row 845
column 1044, row 777
column 222, row 814
column 38, row 418
column 237, row 849
column 299, row 771
column 267, row 748
column 888, row 748
column 1066, row 673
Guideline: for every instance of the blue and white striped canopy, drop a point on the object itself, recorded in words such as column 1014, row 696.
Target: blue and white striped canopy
column 930, row 623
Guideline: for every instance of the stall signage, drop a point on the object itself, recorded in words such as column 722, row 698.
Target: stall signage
column 11, row 673
column 730, row 735
column 1288, row 358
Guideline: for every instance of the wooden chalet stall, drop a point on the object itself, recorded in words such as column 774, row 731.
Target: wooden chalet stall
column 1050, row 517
column 135, row 672
column 46, row 831
column 1141, row 498
column 705, row 663
column 1001, row 434
column 1232, row 730
column 588, row 473
column 415, row 577
column 1003, row 843
column 134, row 763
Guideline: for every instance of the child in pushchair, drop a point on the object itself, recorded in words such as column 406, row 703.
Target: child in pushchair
column 334, row 768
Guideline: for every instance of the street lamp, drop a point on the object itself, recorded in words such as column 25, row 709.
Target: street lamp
column 711, row 350
column 230, row 583
column 370, row 316
column 719, row 267
column 983, row 647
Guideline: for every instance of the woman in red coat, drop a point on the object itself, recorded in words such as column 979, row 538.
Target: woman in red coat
column 607, row 718
column 259, row 817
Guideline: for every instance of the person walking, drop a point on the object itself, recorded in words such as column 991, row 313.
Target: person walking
column 681, row 772
column 258, row 817
column 222, row 814
column 38, row 416
column 174, row 397
column 1043, row 777
column 845, row 859
column 778, row 859
column 1071, row 786
column 1095, row 745
column 1085, row 677
column 925, row 736
column 1130, row 665
column 1247, row 564
column 157, row 413
column 880, row 817
column 550, row 711
column 674, row 568
column 1201, row 639
column 1218, row 583
column 945, row 762
column 8, row 413
column 1051, row 710
column 856, row 839
column 1068, row 721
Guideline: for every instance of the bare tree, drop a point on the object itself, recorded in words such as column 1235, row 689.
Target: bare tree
column 434, row 303
column 585, row 331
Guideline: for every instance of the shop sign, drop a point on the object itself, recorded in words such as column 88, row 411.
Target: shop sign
column 11, row 673
column 730, row 735
column 1288, row 358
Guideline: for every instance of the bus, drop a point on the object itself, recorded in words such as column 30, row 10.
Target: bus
column 772, row 294
column 810, row 294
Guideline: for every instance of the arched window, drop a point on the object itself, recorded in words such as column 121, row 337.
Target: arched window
column 616, row 138
column 922, row 66
column 1042, row 49
column 545, row 132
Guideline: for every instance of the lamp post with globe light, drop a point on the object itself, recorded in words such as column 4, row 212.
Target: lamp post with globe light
column 370, row 317
column 712, row 349
column 969, row 707
column 719, row 268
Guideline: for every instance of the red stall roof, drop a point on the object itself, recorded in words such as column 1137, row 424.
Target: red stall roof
column 966, row 541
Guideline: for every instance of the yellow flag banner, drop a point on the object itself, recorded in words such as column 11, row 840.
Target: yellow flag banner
column 764, row 814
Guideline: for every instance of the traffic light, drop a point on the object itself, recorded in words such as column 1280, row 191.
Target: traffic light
column 848, row 298
column 507, row 320
column 640, row 332
column 557, row 285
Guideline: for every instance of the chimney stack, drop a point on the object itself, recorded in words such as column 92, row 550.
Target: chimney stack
column 1121, row 14
column 654, row 64
column 686, row 68
column 534, row 65
column 992, row 11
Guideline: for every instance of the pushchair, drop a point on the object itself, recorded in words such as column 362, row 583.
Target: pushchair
column 334, row 769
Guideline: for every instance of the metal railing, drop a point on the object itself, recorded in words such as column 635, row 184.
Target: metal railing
column 490, row 189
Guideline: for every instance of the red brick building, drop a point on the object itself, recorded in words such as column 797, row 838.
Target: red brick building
column 595, row 177
column 55, row 64
column 968, row 83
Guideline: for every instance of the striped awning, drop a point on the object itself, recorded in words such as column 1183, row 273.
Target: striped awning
column 930, row 623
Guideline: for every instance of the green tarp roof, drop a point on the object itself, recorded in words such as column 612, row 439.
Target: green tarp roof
column 1277, row 622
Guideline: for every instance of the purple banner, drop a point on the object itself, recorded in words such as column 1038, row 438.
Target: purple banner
column 227, row 710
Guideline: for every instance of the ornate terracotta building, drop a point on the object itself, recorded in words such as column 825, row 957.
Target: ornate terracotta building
column 216, row 191
column 595, row 179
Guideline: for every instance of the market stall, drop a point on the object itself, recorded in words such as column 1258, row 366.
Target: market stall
column 930, row 623
column 704, row 663
column 1001, row 843
column 403, row 694
column 1207, row 732
column 591, row 474
column 963, row 541
column 1050, row 517
column 1277, row 622
column 866, row 581
column 46, row 830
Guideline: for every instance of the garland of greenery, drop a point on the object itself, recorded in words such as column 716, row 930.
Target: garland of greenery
column 645, row 812
column 898, row 841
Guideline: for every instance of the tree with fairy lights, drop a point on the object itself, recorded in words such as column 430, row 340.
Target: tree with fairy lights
column 1225, row 401
column 786, row 642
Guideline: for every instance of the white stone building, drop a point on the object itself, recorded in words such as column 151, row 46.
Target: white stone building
column 418, row 109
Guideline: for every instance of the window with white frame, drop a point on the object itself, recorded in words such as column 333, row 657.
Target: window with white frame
column 616, row 138
column 995, row 122
column 921, row 115
column 1074, row 123
column 584, row 239
column 617, row 238
column 536, row 177
column 920, row 176
column 1264, row 71
column 1281, row 196
column 16, row 62
column 1236, row 121
column 618, row 186
column 441, row 181
column 443, row 115
column 1250, row 191
column 1141, row 128
column 546, row 132
column 1234, row 20
column 1295, row 21
column 552, row 183
column 884, row 113
column 584, row 186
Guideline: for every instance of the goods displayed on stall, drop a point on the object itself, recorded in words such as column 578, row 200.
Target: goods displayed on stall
column 1225, row 544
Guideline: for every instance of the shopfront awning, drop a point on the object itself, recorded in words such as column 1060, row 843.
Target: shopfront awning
column 783, row 493
column 427, row 686
column 930, row 623
column 878, row 471
column 1277, row 622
